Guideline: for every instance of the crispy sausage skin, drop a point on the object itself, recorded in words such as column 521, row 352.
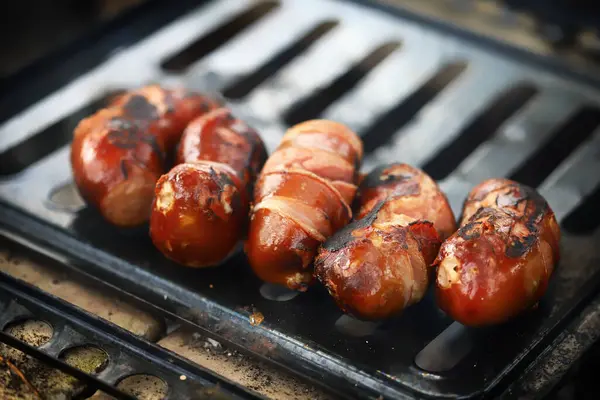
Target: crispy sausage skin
column 418, row 196
column 499, row 262
column 301, row 198
column 201, row 206
column 119, row 152
column 380, row 263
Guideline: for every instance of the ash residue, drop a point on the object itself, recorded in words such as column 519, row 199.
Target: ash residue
column 245, row 370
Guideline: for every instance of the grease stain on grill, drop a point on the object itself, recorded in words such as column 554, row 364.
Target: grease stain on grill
column 398, row 116
column 584, row 219
column 479, row 130
column 243, row 86
column 87, row 358
column 445, row 351
column 49, row 139
column 312, row 106
column 144, row 387
column 565, row 139
column 65, row 197
column 218, row 37
column 350, row 326
column 273, row 292
column 31, row 331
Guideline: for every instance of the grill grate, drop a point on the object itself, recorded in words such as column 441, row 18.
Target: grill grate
column 461, row 109
column 127, row 355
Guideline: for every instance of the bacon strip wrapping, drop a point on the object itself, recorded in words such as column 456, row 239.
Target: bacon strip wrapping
column 498, row 264
column 118, row 153
column 379, row 264
column 301, row 198
column 201, row 206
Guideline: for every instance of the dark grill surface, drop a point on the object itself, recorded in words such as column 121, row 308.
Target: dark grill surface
column 459, row 108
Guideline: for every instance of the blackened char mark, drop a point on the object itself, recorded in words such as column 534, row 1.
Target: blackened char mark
column 223, row 180
column 520, row 246
column 139, row 108
column 344, row 236
column 534, row 210
column 127, row 134
column 378, row 177
column 472, row 229
column 403, row 184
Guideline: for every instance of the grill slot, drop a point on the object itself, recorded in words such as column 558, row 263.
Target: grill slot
column 312, row 106
column 441, row 120
column 518, row 138
column 216, row 38
column 379, row 133
column 246, row 84
column 47, row 141
column 585, row 219
column 479, row 130
column 577, row 129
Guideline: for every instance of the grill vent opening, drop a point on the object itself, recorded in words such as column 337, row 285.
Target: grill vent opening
column 584, row 219
column 50, row 139
column 393, row 120
column 217, row 37
column 246, row 84
column 479, row 130
column 313, row 105
column 567, row 138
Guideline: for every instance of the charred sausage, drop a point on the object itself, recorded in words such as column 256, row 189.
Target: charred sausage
column 499, row 262
column 118, row 153
column 201, row 206
column 380, row 263
column 301, row 198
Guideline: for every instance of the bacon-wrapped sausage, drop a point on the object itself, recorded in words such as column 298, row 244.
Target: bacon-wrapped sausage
column 378, row 265
column 201, row 206
column 499, row 262
column 118, row 153
column 301, row 198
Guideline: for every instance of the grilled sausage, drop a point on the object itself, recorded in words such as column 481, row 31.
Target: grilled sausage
column 499, row 262
column 380, row 264
column 118, row 153
column 201, row 206
column 301, row 198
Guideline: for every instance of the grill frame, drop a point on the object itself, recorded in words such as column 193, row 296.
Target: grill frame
column 86, row 258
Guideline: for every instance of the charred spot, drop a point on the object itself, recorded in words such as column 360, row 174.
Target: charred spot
column 344, row 236
column 518, row 247
column 378, row 177
column 127, row 134
column 470, row 230
column 138, row 107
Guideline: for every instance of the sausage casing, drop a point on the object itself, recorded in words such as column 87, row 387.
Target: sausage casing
column 118, row 153
column 201, row 206
column 302, row 198
column 380, row 264
column 499, row 262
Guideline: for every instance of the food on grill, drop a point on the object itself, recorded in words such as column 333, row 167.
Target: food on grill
column 200, row 210
column 118, row 153
column 380, row 264
column 500, row 260
column 301, row 198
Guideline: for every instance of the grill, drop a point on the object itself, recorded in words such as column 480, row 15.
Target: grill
column 461, row 107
